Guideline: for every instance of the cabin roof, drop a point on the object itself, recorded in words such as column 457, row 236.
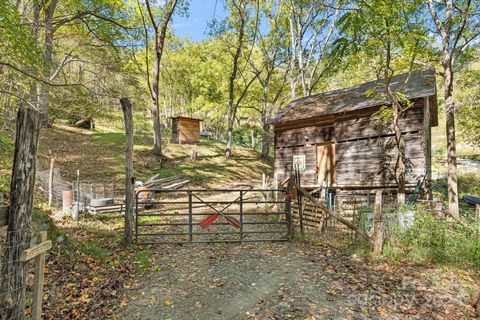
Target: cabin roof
column 185, row 118
column 416, row 84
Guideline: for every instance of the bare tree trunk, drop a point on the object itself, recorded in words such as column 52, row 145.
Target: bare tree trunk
column 127, row 114
column 160, row 33
column 48, row 62
column 451, row 141
column 378, row 225
column 8, row 103
column 445, row 29
column 400, row 167
column 20, row 212
column 231, row 84
column 50, row 182
column 292, row 64
column 253, row 140
column 265, row 140
column 157, row 129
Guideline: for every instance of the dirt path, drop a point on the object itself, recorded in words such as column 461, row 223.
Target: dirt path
column 290, row 280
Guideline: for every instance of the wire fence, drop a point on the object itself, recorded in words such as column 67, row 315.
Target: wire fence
column 16, row 279
column 82, row 193
column 59, row 184
column 358, row 209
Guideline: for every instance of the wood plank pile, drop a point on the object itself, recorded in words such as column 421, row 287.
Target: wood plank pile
column 153, row 183
column 313, row 217
column 173, row 182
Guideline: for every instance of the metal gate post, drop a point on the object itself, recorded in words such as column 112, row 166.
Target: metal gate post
column 289, row 215
column 241, row 216
column 190, row 217
column 136, row 216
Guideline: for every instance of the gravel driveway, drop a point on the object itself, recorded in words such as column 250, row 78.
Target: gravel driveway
column 288, row 280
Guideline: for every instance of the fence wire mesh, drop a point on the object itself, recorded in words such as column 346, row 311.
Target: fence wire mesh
column 84, row 193
column 357, row 209
column 59, row 184
column 16, row 277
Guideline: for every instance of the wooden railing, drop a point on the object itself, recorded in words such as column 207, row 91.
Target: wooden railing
column 36, row 252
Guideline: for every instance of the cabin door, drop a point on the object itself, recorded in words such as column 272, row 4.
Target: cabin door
column 326, row 163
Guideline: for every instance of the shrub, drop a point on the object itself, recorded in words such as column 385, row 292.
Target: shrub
column 437, row 240
column 428, row 238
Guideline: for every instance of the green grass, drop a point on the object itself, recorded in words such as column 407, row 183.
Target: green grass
column 434, row 240
column 143, row 261
column 92, row 248
column 211, row 169
column 6, row 152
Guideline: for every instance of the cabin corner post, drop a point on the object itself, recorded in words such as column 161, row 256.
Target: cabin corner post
column 427, row 147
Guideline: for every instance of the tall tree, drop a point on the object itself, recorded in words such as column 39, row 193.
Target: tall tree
column 97, row 20
column 312, row 26
column 457, row 23
column 240, row 11
column 387, row 31
column 159, row 24
column 272, row 39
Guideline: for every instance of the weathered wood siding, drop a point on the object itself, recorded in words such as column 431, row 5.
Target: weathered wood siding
column 185, row 130
column 364, row 127
column 295, row 137
column 284, row 163
column 371, row 162
column 364, row 155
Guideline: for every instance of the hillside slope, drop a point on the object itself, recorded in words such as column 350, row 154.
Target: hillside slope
column 100, row 155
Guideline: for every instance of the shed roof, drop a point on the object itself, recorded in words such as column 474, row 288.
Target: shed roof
column 186, row 118
column 416, row 84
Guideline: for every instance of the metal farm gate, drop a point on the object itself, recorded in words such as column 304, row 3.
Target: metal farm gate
column 212, row 215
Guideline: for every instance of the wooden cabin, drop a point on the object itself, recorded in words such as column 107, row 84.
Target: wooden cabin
column 333, row 138
column 185, row 130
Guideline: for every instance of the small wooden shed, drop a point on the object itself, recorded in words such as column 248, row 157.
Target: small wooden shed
column 185, row 130
column 332, row 136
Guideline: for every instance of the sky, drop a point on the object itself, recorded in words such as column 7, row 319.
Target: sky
column 195, row 25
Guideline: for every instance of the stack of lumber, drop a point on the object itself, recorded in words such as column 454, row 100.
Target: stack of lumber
column 313, row 217
column 173, row 182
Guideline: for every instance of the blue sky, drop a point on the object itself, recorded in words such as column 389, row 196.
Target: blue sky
column 201, row 12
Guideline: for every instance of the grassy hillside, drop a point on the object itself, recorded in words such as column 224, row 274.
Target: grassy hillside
column 100, row 155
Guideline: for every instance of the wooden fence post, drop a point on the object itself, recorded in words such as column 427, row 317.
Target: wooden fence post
column 477, row 212
column 38, row 252
column 38, row 281
column 378, row 224
column 127, row 113
column 20, row 211
column 50, row 181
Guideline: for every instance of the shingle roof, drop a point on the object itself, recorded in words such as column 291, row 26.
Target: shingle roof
column 416, row 84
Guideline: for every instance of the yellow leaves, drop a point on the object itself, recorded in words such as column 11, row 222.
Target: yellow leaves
column 465, row 277
column 168, row 302
column 84, row 298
